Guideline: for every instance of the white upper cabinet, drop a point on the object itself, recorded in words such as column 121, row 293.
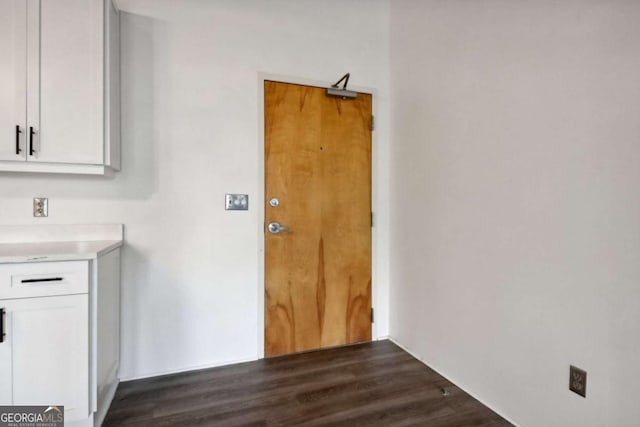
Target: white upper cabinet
column 68, row 96
column 71, row 77
column 13, row 79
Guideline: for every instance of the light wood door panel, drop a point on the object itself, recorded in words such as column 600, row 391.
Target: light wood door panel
column 13, row 78
column 318, row 165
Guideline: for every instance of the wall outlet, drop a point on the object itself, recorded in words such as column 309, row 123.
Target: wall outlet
column 578, row 381
column 40, row 207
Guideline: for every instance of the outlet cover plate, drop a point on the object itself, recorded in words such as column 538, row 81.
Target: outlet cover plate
column 236, row 202
column 578, row 381
column 40, row 207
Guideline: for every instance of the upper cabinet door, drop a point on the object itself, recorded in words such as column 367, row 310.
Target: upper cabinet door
column 66, row 64
column 13, row 79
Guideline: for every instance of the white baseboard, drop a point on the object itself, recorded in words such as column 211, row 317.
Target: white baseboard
column 421, row 359
column 187, row 369
column 208, row 366
column 88, row 422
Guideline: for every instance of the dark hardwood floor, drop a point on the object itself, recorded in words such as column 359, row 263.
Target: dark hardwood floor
column 373, row 384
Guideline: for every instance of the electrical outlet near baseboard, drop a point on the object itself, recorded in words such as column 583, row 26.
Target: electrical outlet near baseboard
column 578, row 381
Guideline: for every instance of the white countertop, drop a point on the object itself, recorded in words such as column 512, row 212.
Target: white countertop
column 56, row 251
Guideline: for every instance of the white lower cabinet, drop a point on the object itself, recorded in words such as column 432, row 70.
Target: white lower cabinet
column 44, row 354
column 60, row 329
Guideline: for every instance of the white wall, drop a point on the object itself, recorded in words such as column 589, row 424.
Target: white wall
column 190, row 135
column 516, row 171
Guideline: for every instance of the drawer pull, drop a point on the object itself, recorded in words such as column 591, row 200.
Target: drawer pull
column 48, row 279
column 2, row 334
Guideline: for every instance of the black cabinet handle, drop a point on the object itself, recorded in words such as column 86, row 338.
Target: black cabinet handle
column 48, row 279
column 31, row 133
column 2, row 334
column 18, row 132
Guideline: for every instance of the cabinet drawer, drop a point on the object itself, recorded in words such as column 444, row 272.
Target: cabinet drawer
column 40, row 279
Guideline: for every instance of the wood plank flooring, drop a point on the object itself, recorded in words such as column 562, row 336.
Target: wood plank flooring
column 372, row 384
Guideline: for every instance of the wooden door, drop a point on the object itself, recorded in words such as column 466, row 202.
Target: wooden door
column 318, row 167
column 13, row 79
column 66, row 80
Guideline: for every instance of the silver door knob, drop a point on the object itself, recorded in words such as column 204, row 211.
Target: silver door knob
column 275, row 228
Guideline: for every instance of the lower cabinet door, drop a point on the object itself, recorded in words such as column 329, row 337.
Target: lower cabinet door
column 44, row 356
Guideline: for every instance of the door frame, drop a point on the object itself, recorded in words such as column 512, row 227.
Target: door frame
column 259, row 199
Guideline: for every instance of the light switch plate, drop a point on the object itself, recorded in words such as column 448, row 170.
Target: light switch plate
column 236, row 202
column 40, row 207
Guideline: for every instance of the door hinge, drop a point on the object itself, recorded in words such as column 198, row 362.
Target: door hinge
column 373, row 122
column 372, row 219
column 371, row 314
